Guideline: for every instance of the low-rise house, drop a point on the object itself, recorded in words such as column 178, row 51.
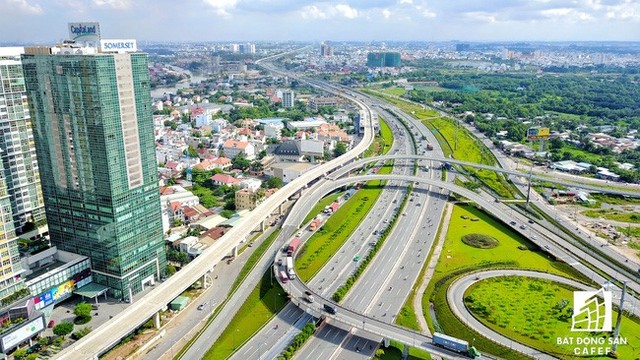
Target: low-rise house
column 224, row 179
column 233, row 148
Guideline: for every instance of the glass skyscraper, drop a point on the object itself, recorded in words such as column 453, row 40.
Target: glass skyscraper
column 17, row 150
column 93, row 128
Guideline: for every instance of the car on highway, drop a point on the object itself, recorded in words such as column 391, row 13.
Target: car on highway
column 202, row 306
column 308, row 296
column 523, row 227
column 280, row 262
column 330, row 309
column 530, row 221
column 357, row 258
column 512, row 223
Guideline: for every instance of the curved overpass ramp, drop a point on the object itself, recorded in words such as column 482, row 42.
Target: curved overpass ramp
column 296, row 288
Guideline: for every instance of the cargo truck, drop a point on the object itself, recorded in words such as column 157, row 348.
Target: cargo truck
column 293, row 246
column 290, row 270
column 429, row 147
column 454, row 344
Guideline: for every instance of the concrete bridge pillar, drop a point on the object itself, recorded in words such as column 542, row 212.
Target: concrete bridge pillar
column 281, row 209
column 235, row 251
column 156, row 320
column 263, row 225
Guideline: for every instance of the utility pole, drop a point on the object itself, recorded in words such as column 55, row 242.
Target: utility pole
column 529, row 185
column 616, row 331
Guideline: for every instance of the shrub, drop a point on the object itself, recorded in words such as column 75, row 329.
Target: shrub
column 63, row 329
column 81, row 333
column 480, row 241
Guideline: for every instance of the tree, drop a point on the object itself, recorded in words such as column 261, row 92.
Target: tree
column 239, row 162
column 82, row 309
column 81, row 333
column 63, row 329
column 274, row 182
column 191, row 152
column 340, row 149
column 20, row 354
column 170, row 270
column 227, row 213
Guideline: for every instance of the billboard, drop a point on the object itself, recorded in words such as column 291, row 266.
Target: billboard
column 88, row 32
column 537, row 133
column 118, row 45
column 23, row 333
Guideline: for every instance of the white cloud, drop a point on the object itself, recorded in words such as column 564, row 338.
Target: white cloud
column 428, row 13
column 566, row 14
column 312, row 12
column 114, row 4
column 386, row 13
column 222, row 7
column 22, row 6
column 405, row 2
column 347, row 11
column 482, row 16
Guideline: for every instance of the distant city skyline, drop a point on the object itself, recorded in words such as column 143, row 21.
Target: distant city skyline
column 44, row 21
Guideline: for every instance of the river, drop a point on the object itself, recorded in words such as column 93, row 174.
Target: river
column 160, row 91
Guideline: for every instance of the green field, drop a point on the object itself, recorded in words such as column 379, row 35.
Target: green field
column 382, row 141
column 536, row 312
column 394, row 352
column 261, row 305
column 468, row 148
column 614, row 199
column 458, row 259
column 327, row 240
column 616, row 215
column 396, row 91
column 417, row 111
column 253, row 259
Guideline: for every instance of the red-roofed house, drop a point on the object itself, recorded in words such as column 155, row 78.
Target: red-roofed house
column 205, row 165
column 224, row 179
column 190, row 214
column 174, row 166
column 221, row 163
column 175, row 211
column 233, row 148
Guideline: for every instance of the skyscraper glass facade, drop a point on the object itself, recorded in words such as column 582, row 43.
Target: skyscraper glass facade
column 93, row 128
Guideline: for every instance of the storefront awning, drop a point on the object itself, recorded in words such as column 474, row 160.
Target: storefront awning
column 91, row 290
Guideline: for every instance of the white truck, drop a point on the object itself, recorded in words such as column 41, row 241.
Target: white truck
column 290, row 270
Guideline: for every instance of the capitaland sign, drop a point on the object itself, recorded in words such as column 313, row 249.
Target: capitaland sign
column 592, row 313
column 86, row 32
column 119, row 46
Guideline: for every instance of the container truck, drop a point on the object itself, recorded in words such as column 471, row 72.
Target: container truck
column 293, row 246
column 290, row 270
column 454, row 344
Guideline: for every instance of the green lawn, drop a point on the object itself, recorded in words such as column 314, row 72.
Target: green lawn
column 394, row 352
column 253, row 259
column 614, row 199
column 458, row 258
column 397, row 91
column 616, row 215
column 319, row 207
column 326, row 241
column 536, row 312
column 469, row 148
column 261, row 305
column 382, row 141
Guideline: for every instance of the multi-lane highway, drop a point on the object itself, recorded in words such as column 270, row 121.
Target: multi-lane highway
column 360, row 320
column 109, row 334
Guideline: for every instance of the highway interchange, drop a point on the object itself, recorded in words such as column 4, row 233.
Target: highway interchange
column 367, row 313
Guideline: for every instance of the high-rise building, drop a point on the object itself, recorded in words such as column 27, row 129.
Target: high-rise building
column 10, row 268
column 17, row 151
column 93, row 126
column 248, row 48
column 326, row 49
column 288, row 98
column 383, row 59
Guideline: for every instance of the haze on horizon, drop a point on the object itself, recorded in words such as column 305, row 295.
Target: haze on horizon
column 45, row 21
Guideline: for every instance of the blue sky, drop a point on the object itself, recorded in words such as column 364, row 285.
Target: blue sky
column 237, row 20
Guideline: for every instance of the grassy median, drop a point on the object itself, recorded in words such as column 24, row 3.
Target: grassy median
column 264, row 302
